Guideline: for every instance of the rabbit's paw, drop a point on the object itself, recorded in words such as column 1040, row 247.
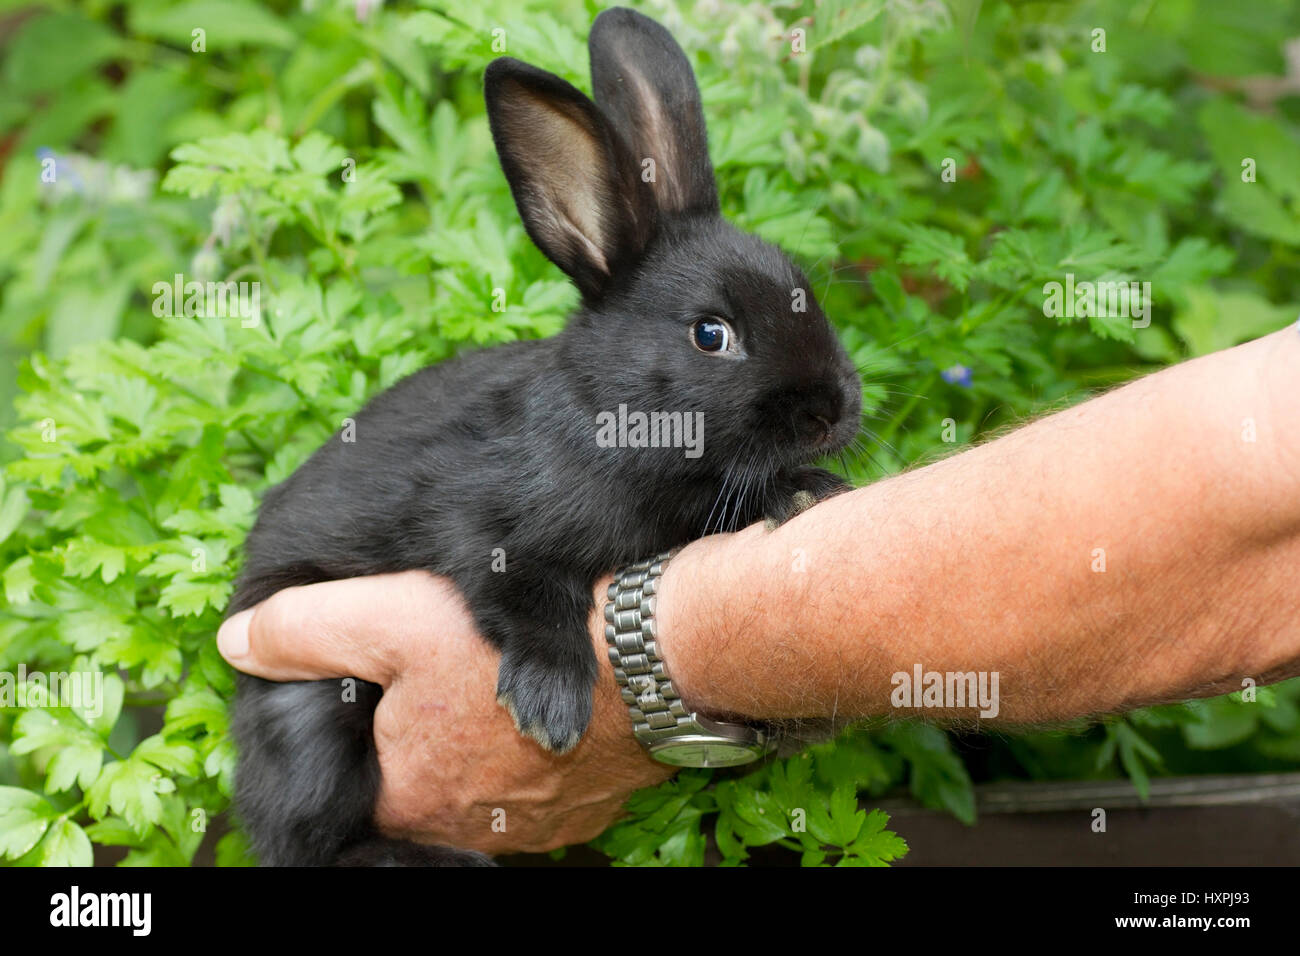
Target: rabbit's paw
column 805, row 488
column 549, row 700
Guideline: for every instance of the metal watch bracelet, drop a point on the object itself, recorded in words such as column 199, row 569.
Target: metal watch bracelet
column 659, row 717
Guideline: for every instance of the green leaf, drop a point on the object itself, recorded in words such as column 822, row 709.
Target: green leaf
column 846, row 818
column 66, row 844
column 838, row 19
column 759, row 818
column 190, row 597
column 24, row 818
column 1134, row 754
column 83, row 315
column 938, row 778
column 196, row 709
column 129, row 788
column 36, row 729
column 84, row 556
column 943, row 251
column 876, row 846
column 317, row 153
column 20, row 580
column 77, row 763
column 14, row 505
column 1213, row 320
column 113, row 831
column 1220, row 722
column 176, row 757
column 233, row 850
column 226, row 24
column 52, row 49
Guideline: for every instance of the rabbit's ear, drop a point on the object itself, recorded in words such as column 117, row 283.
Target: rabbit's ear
column 567, row 171
column 644, row 85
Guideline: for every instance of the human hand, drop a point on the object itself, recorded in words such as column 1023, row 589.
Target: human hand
column 455, row 770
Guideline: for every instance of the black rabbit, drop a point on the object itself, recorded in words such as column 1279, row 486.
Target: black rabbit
column 500, row 449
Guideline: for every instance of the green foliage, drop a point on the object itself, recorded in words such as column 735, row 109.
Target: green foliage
column 1247, row 731
column 807, row 804
column 343, row 162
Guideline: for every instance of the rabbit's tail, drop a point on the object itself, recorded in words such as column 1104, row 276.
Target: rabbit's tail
column 308, row 777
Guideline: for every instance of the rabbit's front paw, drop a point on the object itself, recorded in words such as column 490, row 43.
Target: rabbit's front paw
column 806, row 487
column 549, row 699
column 820, row 483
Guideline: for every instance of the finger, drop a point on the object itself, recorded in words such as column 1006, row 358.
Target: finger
column 356, row 627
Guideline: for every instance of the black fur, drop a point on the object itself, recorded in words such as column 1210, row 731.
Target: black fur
column 498, row 449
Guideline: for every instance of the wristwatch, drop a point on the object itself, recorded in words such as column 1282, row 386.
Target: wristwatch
column 660, row 720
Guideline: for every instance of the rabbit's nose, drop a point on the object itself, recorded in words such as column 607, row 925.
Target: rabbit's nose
column 817, row 427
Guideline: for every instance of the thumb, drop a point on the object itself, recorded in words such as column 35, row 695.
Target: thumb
column 356, row 627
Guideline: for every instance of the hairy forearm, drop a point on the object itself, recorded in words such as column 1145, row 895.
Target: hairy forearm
column 993, row 560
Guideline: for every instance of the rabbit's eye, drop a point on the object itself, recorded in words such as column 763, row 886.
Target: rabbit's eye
column 711, row 335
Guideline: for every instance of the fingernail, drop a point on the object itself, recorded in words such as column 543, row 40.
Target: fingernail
column 232, row 636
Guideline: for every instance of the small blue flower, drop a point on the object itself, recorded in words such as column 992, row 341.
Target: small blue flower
column 957, row 375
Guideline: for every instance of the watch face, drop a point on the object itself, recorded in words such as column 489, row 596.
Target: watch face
column 705, row 753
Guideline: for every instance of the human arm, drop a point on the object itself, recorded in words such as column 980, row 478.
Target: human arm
column 985, row 562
